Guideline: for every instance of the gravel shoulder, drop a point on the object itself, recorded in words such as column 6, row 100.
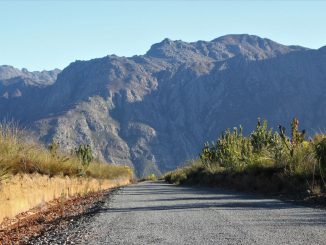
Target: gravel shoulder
column 160, row 213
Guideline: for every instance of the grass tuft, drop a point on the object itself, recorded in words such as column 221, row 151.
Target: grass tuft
column 20, row 154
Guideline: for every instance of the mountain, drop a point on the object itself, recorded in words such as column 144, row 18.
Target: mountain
column 155, row 111
column 19, row 88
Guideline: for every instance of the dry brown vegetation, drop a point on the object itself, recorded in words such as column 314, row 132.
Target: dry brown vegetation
column 23, row 192
column 20, row 154
column 31, row 174
column 54, row 214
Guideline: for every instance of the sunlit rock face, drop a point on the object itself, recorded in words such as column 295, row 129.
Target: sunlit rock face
column 155, row 111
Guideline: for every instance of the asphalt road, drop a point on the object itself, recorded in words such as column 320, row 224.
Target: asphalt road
column 159, row 213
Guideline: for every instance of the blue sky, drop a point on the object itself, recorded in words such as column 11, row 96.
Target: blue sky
column 41, row 35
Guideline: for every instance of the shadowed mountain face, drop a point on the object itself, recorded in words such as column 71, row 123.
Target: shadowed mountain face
column 21, row 89
column 156, row 110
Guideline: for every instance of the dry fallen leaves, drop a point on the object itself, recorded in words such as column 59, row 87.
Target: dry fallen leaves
column 32, row 223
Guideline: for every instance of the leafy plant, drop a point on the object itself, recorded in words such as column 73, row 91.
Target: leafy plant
column 84, row 153
column 293, row 145
column 261, row 137
column 208, row 155
column 297, row 136
column 320, row 149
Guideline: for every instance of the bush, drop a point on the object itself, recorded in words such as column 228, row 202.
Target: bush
column 151, row 177
column 19, row 154
column 266, row 160
column 261, row 137
column 84, row 154
column 320, row 149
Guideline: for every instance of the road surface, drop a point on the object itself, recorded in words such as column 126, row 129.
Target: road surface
column 159, row 213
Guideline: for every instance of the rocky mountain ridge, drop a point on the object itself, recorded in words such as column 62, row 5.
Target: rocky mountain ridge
column 155, row 111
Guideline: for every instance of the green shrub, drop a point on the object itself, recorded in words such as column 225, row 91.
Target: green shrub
column 320, row 149
column 151, row 177
column 261, row 137
column 266, row 160
column 84, row 153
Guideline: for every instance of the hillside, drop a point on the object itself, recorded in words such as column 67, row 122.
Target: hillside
column 153, row 111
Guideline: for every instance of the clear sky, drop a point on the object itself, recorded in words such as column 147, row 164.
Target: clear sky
column 44, row 34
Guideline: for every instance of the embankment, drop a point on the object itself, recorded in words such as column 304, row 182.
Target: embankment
column 21, row 193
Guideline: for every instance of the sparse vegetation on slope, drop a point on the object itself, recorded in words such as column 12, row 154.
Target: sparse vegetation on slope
column 21, row 155
column 265, row 161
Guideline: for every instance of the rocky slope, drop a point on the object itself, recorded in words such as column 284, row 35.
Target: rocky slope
column 156, row 110
column 19, row 88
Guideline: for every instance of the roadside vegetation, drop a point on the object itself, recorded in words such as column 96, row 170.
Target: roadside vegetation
column 32, row 174
column 265, row 161
column 19, row 154
column 151, row 177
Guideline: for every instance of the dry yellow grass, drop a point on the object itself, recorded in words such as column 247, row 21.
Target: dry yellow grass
column 20, row 154
column 31, row 175
column 23, row 192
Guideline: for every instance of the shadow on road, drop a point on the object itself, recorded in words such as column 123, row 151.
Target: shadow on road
column 175, row 198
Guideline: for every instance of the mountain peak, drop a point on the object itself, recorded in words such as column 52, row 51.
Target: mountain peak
column 249, row 46
column 166, row 41
column 7, row 72
column 252, row 42
column 12, row 75
column 166, row 48
column 239, row 38
column 155, row 111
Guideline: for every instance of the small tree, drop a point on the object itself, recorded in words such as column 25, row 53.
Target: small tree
column 297, row 136
column 208, row 155
column 84, row 153
column 293, row 144
column 261, row 137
